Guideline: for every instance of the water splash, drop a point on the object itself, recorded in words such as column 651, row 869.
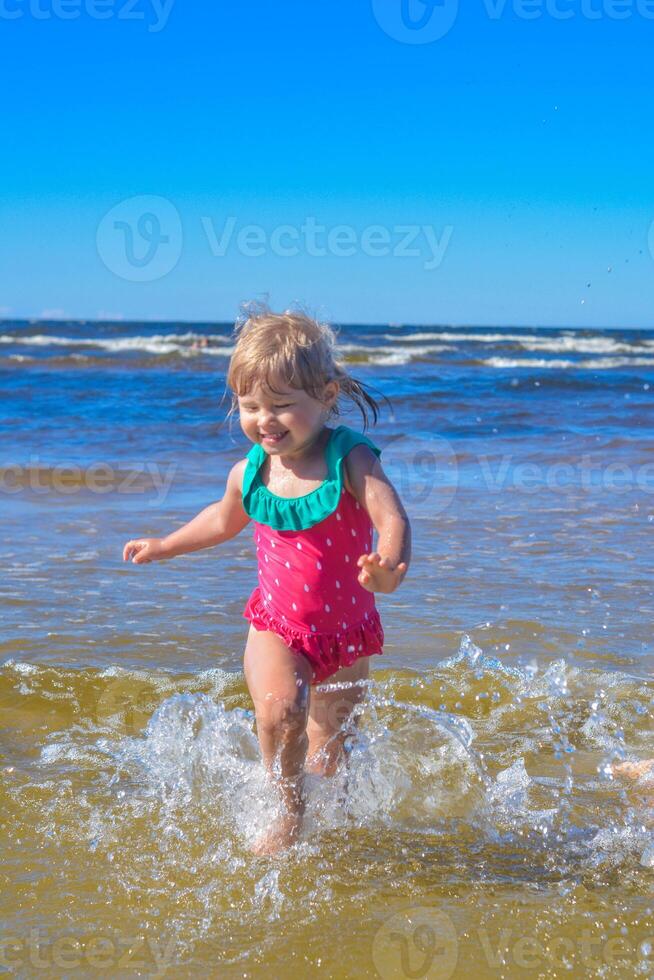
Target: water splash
column 473, row 770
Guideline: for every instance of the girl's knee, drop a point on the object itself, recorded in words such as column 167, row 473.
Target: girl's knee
column 286, row 719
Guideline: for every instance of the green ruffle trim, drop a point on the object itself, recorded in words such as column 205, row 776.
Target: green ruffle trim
column 298, row 513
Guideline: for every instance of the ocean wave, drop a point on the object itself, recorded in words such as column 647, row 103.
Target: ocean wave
column 592, row 364
column 404, row 349
column 389, row 355
column 586, row 345
column 483, row 338
column 171, row 343
column 566, row 343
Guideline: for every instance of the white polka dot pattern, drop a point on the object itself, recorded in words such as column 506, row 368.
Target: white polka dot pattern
column 308, row 582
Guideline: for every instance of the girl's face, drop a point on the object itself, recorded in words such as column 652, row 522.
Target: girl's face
column 287, row 422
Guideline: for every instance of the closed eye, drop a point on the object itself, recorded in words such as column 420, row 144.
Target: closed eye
column 253, row 408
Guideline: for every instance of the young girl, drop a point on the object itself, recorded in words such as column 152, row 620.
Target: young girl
column 313, row 494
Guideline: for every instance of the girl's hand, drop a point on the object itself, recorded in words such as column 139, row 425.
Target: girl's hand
column 144, row 550
column 379, row 574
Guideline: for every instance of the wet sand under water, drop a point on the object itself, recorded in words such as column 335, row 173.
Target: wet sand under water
column 482, row 829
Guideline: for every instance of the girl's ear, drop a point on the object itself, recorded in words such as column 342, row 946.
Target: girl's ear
column 330, row 392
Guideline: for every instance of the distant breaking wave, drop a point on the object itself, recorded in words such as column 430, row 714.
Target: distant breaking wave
column 169, row 343
column 593, row 364
column 568, row 343
column 366, row 346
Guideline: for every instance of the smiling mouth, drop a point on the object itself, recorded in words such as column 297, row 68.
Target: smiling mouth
column 273, row 436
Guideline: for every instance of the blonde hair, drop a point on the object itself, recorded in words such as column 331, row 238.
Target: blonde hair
column 294, row 349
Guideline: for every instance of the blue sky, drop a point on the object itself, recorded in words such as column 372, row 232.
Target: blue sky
column 493, row 175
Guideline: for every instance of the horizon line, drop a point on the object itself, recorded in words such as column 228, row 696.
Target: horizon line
column 344, row 323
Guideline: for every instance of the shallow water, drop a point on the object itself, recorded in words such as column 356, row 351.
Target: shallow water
column 479, row 828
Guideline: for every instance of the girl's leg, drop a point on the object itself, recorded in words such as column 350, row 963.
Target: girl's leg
column 278, row 680
column 330, row 717
column 634, row 769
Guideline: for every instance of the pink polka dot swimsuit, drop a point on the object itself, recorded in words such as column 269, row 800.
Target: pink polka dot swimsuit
column 308, row 591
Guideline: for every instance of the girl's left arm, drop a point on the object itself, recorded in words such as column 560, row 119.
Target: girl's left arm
column 382, row 570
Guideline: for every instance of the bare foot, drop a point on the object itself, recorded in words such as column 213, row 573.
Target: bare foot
column 280, row 836
column 634, row 770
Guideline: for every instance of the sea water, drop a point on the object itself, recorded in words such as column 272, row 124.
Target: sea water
column 479, row 826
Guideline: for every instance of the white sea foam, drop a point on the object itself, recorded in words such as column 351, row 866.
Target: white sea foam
column 482, row 338
column 404, row 350
column 393, row 355
column 527, row 362
column 592, row 364
column 170, row 343
column 566, row 343
column 585, row 345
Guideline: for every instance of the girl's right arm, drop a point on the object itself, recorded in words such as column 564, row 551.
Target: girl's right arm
column 215, row 524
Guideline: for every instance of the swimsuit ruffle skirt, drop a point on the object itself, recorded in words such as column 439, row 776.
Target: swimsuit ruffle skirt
column 307, row 551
